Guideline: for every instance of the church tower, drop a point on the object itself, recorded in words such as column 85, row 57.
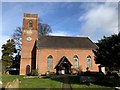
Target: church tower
column 29, row 37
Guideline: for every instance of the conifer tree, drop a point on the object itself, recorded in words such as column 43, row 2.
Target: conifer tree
column 8, row 50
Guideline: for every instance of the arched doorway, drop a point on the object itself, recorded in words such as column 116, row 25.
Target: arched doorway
column 64, row 66
column 28, row 70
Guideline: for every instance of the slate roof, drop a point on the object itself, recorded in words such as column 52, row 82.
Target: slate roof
column 65, row 42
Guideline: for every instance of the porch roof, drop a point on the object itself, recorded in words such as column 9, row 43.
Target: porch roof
column 63, row 60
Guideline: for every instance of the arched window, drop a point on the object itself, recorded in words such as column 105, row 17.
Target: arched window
column 76, row 61
column 30, row 23
column 89, row 61
column 50, row 62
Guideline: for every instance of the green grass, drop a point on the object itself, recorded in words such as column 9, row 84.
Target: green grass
column 9, row 78
column 40, row 83
column 50, row 83
column 33, row 82
column 88, row 86
column 0, row 77
column 74, row 80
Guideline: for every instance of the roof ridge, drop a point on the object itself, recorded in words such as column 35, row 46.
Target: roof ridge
column 65, row 36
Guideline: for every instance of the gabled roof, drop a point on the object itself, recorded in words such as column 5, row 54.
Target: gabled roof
column 62, row 61
column 65, row 42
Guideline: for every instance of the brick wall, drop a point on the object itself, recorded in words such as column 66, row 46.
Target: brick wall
column 27, row 46
column 57, row 54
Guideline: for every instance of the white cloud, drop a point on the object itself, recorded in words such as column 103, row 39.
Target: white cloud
column 59, row 33
column 100, row 20
column 3, row 40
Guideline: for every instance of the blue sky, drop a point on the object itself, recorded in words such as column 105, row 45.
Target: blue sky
column 89, row 19
column 62, row 17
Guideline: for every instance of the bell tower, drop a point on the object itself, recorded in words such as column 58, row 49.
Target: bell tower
column 29, row 37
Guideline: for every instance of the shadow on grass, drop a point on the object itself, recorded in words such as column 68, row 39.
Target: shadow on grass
column 75, row 80
column 58, row 78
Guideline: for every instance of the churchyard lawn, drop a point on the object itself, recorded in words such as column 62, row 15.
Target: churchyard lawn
column 33, row 82
column 48, row 83
column 76, row 84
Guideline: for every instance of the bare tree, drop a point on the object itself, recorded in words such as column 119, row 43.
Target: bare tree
column 43, row 30
column 17, row 37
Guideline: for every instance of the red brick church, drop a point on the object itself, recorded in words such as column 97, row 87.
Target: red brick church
column 59, row 54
